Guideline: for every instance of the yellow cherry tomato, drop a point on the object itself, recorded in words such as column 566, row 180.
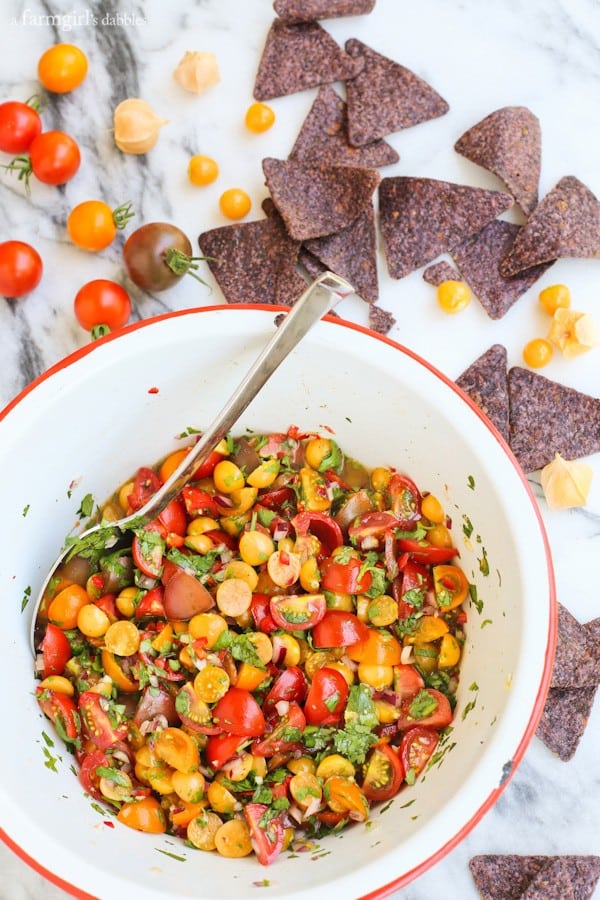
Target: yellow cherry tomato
column 62, row 68
column 235, row 203
column 453, row 296
column 143, row 815
column 556, row 296
column 202, row 170
column 537, row 353
column 259, row 117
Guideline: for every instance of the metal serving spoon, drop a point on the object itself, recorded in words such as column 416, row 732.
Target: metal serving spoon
column 315, row 302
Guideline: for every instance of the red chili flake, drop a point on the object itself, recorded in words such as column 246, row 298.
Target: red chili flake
column 109, row 824
column 153, row 390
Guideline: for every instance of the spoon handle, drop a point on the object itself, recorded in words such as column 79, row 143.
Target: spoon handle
column 315, row 302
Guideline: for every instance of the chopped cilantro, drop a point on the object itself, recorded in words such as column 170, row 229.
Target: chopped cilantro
column 86, row 508
column 26, row 597
column 172, row 855
column 411, row 776
column 484, row 566
column 424, row 704
column 26, row 510
column 475, row 600
column 467, row 527
column 471, row 482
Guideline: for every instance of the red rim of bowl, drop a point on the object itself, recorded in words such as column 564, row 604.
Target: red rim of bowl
column 407, row 877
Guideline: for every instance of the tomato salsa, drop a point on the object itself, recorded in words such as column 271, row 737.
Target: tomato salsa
column 272, row 655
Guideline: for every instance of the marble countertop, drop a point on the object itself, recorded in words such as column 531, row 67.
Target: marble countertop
column 544, row 54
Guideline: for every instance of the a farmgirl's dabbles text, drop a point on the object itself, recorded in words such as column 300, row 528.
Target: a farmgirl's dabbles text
column 274, row 653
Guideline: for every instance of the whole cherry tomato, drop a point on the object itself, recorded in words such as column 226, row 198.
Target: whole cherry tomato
column 102, row 302
column 235, row 203
column 62, row 68
column 54, row 158
column 92, row 225
column 20, row 123
column 157, row 255
column 21, row 268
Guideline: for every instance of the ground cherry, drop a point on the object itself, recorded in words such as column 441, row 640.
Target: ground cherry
column 202, row 170
column 235, row 203
column 453, row 296
column 92, row 225
column 537, row 353
column 62, row 68
column 556, row 296
column 259, row 117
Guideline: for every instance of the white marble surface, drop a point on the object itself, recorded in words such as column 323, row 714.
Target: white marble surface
column 544, row 54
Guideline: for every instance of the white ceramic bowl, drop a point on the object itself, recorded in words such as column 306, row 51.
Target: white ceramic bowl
column 86, row 425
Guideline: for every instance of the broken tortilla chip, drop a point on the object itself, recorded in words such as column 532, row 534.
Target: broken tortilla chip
column 254, row 262
column 323, row 137
column 440, row 272
column 421, row 218
column 315, row 200
column 478, row 259
column 509, row 876
column 380, row 320
column 565, row 224
column 352, row 254
column 546, row 417
column 384, row 97
column 310, row 10
column 508, row 143
column 298, row 57
column 486, row 383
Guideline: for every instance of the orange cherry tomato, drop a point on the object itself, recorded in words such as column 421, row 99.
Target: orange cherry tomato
column 537, row 353
column 202, row 170
column 102, row 303
column 64, row 608
column 62, row 68
column 113, row 669
column 259, row 117
column 380, row 648
column 235, row 203
column 143, row 815
column 451, row 586
column 92, row 225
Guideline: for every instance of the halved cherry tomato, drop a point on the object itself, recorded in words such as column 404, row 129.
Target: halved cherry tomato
column 260, row 610
column 426, row 553
column 88, row 775
column 290, row 686
column 371, row 525
column 62, row 712
column 417, row 747
column 327, row 697
column 20, row 123
column 96, row 721
column 384, row 774
column 266, row 832
column 145, row 484
column 185, row 596
column 405, row 500
column 112, row 667
column 277, row 498
column 416, row 583
column 56, row 650
column 199, row 502
column 429, row 707
column 147, row 549
column 207, row 467
column 338, row 628
column 152, row 604
column 194, row 712
column 297, row 612
column 451, row 586
column 281, row 738
column 344, row 578
column 173, row 518
column 324, row 528
column 407, row 681
column 379, row 649
column 220, row 748
column 143, row 815
column 237, row 712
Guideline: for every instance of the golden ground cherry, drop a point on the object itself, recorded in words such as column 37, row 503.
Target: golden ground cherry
column 537, row 353
column 62, row 68
column 235, row 203
column 453, row 296
column 202, row 170
column 556, row 296
column 259, row 117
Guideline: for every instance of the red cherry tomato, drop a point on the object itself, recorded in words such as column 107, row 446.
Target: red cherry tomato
column 88, row 775
column 237, row 712
column 417, row 747
column 327, row 697
column 323, row 527
column 405, row 500
column 260, row 610
column 151, row 604
column 96, row 721
column 372, row 525
column 221, row 747
column 54, row 157
column 384, row 774
column 145, row 484
column 147, row 549
column 339, row 629
column 62, row 712
column 102, row 302
column 426, row 553
column 417, row 581
column 199, row 502
column 290, row 686
column 21, row 268
column 344, row 578
column 297, row 612
column 173, row 518
column 20, row 123
column 56, row 650
column 281, row 739
column 407, row 682
column 429, row 707
column 266, row 832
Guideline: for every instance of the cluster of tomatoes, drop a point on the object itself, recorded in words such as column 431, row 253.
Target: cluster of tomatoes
column 277, row 651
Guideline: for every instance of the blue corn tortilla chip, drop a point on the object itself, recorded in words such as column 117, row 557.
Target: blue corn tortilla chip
column 254, row 262
column 323, row 137
column 310, row 10
column 421, row 218
column 298, row 57
column 478, row 259
column 316, row 200
column 564, row 719
column 509, row 876
column 565, row 224
column 384, row 97
column 546, row 418
column 552, row 883
column 352, row 254
column 440, row 272
column 380, row 320
column 486, row 383
column 508, row 143
column 575, row 661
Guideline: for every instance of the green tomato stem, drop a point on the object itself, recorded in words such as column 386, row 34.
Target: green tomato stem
column 122, row 214
column 99, row 331
column 182, row 264
column 22, row 165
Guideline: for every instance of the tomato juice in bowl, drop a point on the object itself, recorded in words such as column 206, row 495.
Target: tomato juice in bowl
column 399, row 412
